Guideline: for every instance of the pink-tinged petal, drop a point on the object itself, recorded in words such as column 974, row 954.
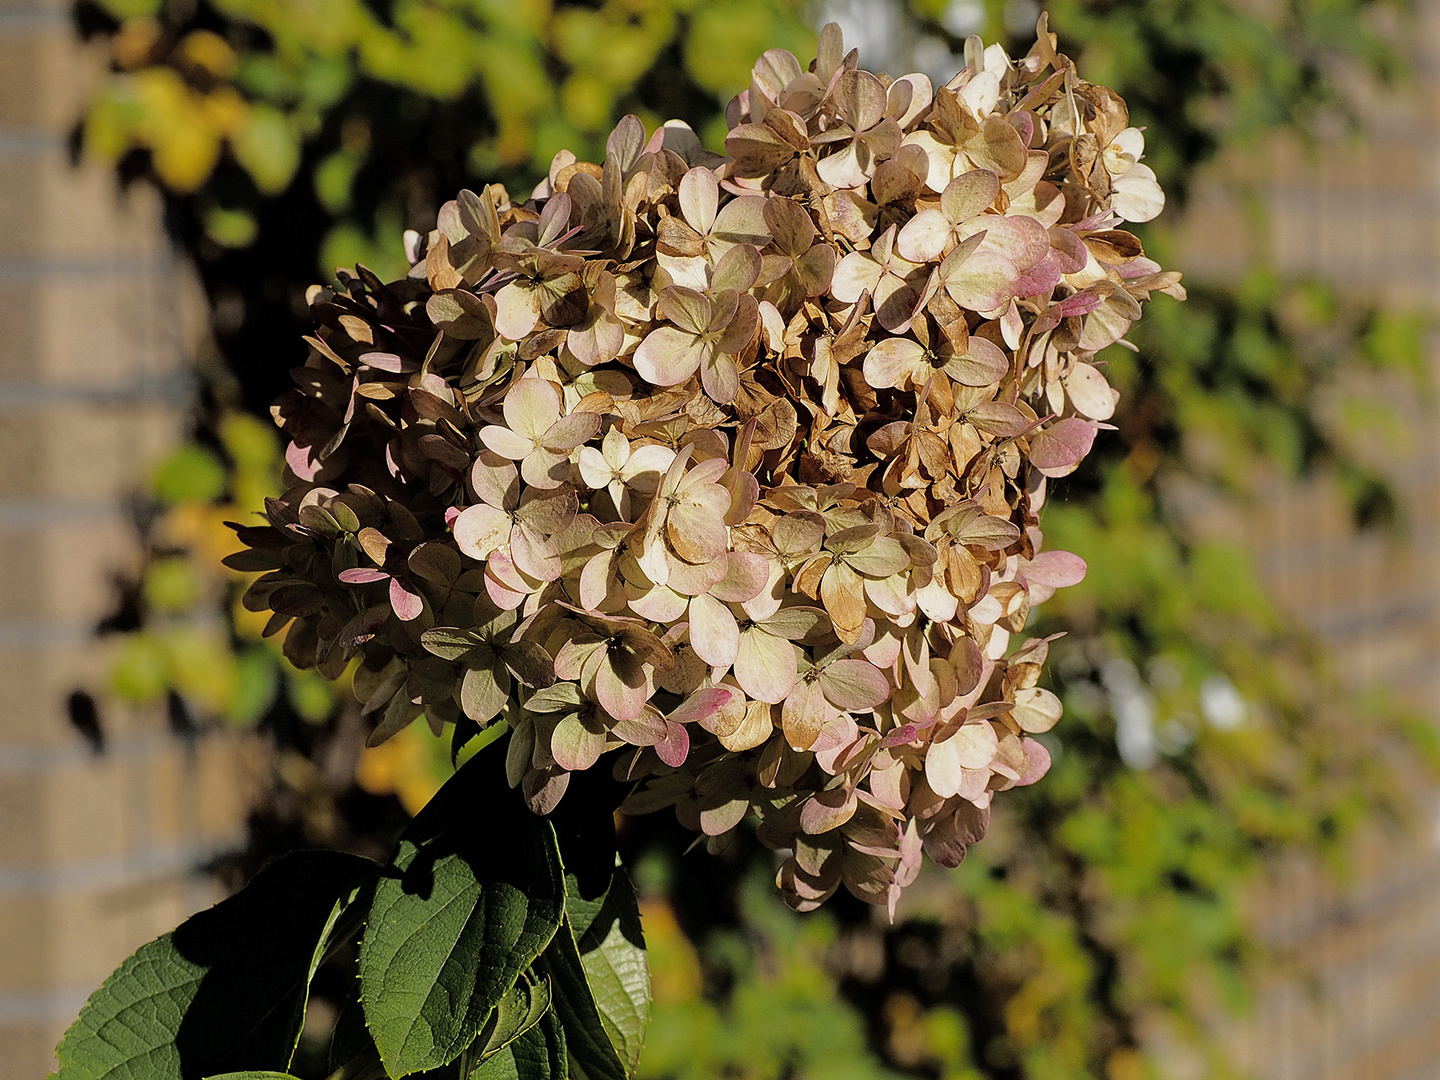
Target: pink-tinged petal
column 408, row 605
column 1022, row 240
column 1056, row 450
column 480, row 529
column 689, row 309
column 982, row 282
column 1088, row 391
column 594, row 469
column 517, row 310
column 896, row 304
column 621, row 687
column 1081, row 303
column 1036, row 710
column 504, row 584
column 1137, row 195
column 908, row 97
column 984, row 364
column 765, row 666
column 545, row 469
column 804, row 713
column 544, row 788
column 692, row 579
column 766, row 603
column 659, row 604
column 941, row 158
column 1057, row 569
column 740, row 221
column 574, row 746
column 854, row 685
column 943, row 771
column 303, row 461
column 975, row 744
column 675, row 747
column 647, row 729
column 570, row 431
column 531, row 407
column 903, row 735
column 597, row 581
column 856, row 273
column 924, row 237
column 844, row 169
column 951, row 835
column 1069, row 250
column 969, row 194
column 668, row 356
column 645, row 467
column 702, row 706
column 1037, row 763
column 714, row 633
column 737, row 270
column 697, row 531
column 893, row 362
column 937, row 602
column 699, row 198
column 948, row 762
column 496, row 481
column 998, row 418
column 827, row 810
column 720, row 376
column 549, row 510
column 1040, row 278
column 506, row 443
column 362, row 576
column 535, row 553
column 746, row 575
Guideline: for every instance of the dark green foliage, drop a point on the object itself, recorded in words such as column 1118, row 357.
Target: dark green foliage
column 452, row 926
column 459, row 913
column 224, row 991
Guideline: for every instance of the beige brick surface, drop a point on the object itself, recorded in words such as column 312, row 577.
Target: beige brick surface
column 98, row 852
column 22, row 1043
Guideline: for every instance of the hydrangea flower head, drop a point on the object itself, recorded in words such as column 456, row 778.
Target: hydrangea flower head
column 727, row 471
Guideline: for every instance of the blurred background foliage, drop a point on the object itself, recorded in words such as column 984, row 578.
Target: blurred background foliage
column 1108, row 912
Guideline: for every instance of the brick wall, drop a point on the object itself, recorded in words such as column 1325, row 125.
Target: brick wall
column 1366, row 216
column 98, row 852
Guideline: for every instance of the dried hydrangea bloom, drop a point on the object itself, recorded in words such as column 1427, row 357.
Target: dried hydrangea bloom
column 730, row 469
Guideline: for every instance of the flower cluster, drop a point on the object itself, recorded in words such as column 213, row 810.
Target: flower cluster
column 732, row 465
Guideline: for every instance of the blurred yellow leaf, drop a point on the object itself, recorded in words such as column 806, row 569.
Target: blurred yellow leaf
column 207, row 51
column 267, row 148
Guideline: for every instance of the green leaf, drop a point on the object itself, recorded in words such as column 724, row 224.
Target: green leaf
column 519, row 1010
column 224, row 991
column 191, row 473
column 472, row 895
column 601, row 977
column 538, row 1054
column 612, row 950
column 267, row 148
column 251, row 1075
column 602, row 981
